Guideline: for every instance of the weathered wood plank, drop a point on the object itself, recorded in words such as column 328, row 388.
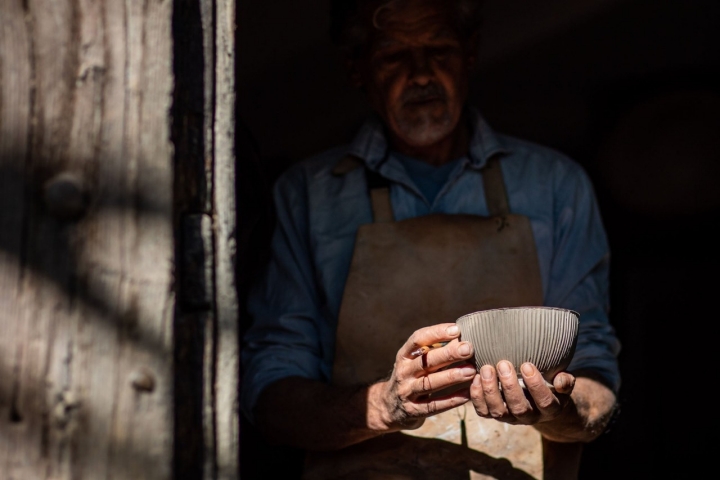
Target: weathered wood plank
column 228, row 362
column 86, row 320
column 15, row 128
column 24, row 324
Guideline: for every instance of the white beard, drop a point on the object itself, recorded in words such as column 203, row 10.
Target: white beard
column 425, row 128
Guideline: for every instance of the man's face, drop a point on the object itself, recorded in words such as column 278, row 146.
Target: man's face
column 416, row 72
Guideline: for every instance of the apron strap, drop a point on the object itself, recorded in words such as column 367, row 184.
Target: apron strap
column 379, row 188
column 379, row 191
column 377, row 185
column 495, row 194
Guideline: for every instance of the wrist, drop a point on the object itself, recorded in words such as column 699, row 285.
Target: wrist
column 584, row 417
column 380, row 416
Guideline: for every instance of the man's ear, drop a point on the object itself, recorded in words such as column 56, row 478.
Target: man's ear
column 353, row 69
column 472, row 45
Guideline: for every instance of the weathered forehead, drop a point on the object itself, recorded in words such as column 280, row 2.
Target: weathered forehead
column 407, row 21
column 410, row 11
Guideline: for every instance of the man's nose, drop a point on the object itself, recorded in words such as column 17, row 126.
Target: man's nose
column 421, row 72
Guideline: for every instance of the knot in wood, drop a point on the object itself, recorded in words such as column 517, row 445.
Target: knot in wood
column 142, row 380
column 65, row 197
column 64, row 407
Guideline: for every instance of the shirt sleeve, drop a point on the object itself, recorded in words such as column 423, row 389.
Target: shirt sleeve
column 579, row 275
column 283, row 339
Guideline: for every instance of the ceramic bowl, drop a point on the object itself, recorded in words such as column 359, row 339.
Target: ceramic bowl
column 545, row 336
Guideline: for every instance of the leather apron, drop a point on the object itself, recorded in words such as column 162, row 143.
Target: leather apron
column 418, row 272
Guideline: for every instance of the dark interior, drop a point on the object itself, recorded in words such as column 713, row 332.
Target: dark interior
column 628, row 88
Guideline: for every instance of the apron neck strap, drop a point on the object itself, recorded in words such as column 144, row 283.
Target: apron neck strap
column 379, row 191
column 495, row 194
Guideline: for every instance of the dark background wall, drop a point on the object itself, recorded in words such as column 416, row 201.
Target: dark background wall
column 629, row 88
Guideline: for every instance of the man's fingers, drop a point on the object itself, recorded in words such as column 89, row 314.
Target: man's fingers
column 434, row 382
column 512, row 390
column 497, row 393
column 564, row 383
column 478, row 397
column 537, row 386
column 545, row 400
column 432, row 405
column 491, row 393
column 439, row 358
column 423, row 340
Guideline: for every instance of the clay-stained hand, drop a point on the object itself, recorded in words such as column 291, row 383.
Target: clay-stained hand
column 498, row 394
column 406, row 399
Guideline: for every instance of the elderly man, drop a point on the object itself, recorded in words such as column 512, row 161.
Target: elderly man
column 381, row 244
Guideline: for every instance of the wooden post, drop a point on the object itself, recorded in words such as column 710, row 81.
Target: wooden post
column 228, row 361
column 97, row 214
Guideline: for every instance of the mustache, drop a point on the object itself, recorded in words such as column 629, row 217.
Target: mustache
column 431, row 91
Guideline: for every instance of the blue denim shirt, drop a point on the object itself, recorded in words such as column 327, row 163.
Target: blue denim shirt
column 295, row 304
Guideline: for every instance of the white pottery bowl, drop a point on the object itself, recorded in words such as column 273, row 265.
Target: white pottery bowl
column 544, row 336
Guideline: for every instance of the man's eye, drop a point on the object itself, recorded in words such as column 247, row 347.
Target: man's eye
column 395, row 57
column 441, row 52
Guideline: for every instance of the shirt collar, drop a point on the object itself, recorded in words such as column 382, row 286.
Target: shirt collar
column 484, row 143
column 370, row 143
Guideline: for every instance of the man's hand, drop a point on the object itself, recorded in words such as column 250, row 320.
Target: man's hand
column 573, row 410
column 317, row 416
column 498, row 394
column 406, row 398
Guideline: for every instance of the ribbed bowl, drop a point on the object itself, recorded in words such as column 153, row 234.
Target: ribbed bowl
column 545, row 336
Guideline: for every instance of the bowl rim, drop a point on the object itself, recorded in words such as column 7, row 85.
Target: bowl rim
column 529, row 307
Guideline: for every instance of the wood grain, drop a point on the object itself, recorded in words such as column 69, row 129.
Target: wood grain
column 228, row 352
column 86, row 303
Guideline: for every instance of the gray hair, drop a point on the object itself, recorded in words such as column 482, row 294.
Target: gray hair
column 351, row 21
